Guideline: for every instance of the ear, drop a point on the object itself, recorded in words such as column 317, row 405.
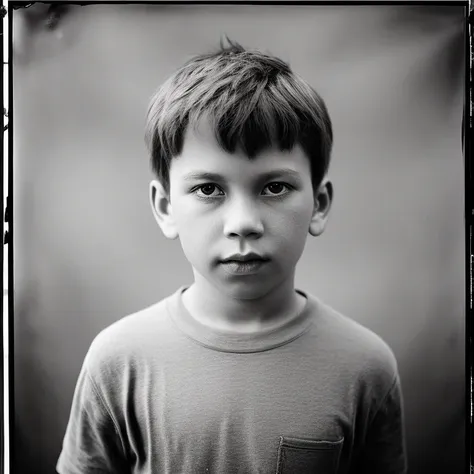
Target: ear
column 161, row 207
column 323, row 197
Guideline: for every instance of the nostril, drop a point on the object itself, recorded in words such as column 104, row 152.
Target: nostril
column 243, row 221
column 245, row 234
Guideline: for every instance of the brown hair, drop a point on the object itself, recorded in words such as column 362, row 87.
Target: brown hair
column 253, row 101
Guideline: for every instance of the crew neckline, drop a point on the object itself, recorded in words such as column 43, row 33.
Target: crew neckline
column 241, row 342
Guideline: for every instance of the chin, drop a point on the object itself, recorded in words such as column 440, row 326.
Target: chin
column 244, row 291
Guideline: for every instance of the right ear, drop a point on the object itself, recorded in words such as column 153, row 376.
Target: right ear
column 162, row 210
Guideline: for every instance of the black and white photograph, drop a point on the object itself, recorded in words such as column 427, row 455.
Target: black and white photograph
column 238, row 238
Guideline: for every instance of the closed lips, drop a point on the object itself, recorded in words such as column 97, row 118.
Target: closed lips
column 245, row 258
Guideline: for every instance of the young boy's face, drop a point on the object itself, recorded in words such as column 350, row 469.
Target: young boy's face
column 225, row 207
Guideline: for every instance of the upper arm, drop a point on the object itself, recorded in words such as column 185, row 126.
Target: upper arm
column 384, row 449
column 92, row 443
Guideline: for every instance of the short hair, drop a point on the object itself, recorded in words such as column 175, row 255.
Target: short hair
column 254, row 101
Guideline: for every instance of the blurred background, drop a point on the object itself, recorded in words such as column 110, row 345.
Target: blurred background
column 88, row 251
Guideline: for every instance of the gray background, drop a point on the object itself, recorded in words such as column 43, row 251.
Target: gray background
column 88, row 252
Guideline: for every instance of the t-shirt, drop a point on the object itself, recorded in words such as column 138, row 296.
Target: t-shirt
column 161, row 393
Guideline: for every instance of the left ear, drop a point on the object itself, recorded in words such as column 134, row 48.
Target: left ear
column 322, row 205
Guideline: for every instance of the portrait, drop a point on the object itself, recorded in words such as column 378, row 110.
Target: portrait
column 88, row 250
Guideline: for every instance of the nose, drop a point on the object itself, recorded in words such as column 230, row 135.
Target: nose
column 242, row 219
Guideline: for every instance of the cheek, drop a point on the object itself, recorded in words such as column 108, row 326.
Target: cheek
column 194, row 243
column 293, row 223
column 293, row 230
column 197, row 230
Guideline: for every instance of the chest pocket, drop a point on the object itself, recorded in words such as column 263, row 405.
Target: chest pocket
column 305, row 456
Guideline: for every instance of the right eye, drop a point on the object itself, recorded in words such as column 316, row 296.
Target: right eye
column 208, row 190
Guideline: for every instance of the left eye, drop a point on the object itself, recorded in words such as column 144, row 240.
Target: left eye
column 208, row 190
column 276, row 188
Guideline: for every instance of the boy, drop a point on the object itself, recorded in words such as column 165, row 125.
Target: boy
column 239, row 372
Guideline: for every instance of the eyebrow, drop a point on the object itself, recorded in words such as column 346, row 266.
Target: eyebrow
column 276, row 173
column 197, row 175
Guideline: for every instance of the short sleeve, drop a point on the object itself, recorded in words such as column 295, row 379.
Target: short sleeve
column 384, row 450
column 91, row 444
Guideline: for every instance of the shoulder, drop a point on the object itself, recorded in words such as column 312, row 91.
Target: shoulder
column 356, row 349
column 129, row 341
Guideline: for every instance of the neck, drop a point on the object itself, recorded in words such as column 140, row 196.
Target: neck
column 220, row 311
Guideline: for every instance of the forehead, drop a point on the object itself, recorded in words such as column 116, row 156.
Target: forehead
column 202, row 152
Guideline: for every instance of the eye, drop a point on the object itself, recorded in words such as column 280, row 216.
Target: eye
column 208, row 190
column 276, row 189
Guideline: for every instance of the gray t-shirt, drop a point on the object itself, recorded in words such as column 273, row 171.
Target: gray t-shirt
column 159, row 393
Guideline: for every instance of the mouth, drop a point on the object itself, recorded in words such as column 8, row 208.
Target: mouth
column 245, row 258
column 240, row 264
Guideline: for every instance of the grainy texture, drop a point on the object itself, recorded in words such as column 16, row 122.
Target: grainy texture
column 87, row 249
column 161, row 393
